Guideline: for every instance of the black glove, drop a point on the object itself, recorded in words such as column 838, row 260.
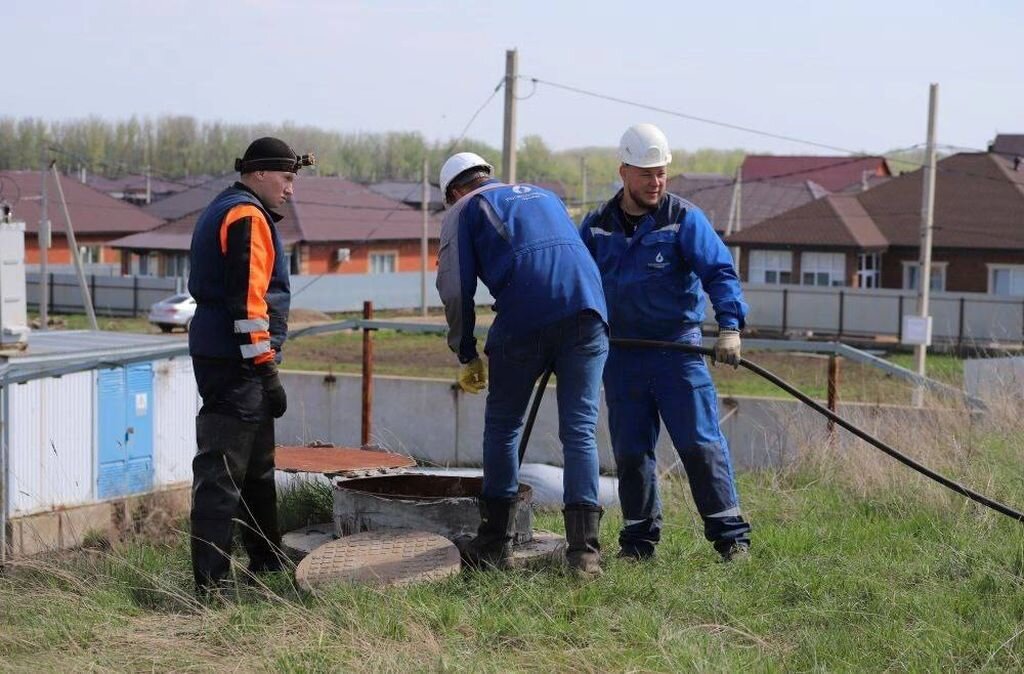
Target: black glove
column 273, row 392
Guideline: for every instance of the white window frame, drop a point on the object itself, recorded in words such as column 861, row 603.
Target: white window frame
column 768, row 266
column 938, row 271
column 381, row 254
column 811, row 262
column 90, row 253
column 994, row 267
column 869, row 277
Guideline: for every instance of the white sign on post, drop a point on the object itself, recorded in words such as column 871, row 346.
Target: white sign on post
column 917, row 330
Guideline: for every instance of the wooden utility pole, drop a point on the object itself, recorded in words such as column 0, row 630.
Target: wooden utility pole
column 735, row 205
column 924, row 269
column 75, row 254
column 508, row 146
column 44, row 245
column 425, row 209
column 583, row 187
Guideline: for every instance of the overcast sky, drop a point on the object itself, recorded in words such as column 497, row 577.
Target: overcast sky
column 849, row 74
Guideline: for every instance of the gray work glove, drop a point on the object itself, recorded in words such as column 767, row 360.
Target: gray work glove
column 273, row 391
column 727, row 348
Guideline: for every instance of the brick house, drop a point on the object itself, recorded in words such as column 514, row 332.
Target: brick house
column 871, row 239
column 98, row 219
column 331, row 226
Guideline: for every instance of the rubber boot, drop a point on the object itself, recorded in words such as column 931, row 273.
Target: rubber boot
column 492, row 546
column 583, row 547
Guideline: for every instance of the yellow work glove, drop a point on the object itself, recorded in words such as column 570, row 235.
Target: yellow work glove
column 727, row 348
column 473, row 376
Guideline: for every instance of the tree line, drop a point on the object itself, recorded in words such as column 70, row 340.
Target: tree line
column 176, row 147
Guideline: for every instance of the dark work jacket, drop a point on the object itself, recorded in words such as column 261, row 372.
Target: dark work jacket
column 239, row 279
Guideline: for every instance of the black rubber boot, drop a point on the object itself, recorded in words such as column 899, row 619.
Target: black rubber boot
column 492, row 546
column 218, row 474
column 583, row 547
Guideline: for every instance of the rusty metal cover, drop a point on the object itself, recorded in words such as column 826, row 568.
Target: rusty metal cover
column 337, row 460
column 395, row 557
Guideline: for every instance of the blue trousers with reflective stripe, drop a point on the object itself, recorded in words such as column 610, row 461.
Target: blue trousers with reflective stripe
column 642, row 388
column 576, row 348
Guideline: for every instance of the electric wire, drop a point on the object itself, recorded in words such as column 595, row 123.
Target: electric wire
column 738, row 127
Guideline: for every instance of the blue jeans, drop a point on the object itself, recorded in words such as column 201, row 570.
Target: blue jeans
column 642, row 385
column 576, row 349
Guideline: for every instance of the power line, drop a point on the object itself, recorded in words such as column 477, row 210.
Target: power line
column 683, row 115
column 452, row 146
column 746, row 129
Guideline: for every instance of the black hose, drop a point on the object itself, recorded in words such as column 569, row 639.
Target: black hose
column 863, row 435
column 528, row 428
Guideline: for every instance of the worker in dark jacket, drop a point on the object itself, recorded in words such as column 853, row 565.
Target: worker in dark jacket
column 658, row 256
column 550, row 315
column 239, row 279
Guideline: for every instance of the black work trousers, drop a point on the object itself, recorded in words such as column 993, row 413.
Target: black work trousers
column 232, row 472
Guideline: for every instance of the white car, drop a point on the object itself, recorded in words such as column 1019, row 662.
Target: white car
column 174, row 311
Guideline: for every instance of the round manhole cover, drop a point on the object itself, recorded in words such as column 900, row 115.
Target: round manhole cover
column 395, row 557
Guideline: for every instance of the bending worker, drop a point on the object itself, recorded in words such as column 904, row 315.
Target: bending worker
column 239, row 279
column 519, row 240
column 658, row 255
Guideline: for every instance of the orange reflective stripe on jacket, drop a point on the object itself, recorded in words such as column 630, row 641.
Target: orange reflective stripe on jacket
column 249, row 305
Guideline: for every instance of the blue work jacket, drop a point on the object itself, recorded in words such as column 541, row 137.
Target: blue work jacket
column 520, row 241
column 655, row 280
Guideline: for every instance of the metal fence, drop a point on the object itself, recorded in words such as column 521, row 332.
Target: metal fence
column 111, row 295
column 132, row 295
column 958, row 318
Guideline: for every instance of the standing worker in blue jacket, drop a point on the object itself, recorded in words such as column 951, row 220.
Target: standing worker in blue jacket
column 550, row 315
column 658, row 255
column 239, row 279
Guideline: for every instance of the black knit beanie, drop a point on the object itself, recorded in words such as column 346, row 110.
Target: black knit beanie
column 268, row 154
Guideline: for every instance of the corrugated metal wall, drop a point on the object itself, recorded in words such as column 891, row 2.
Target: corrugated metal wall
column 176, row 402
column 52, row 433
column 53, row 436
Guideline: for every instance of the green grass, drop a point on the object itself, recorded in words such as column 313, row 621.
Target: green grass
column 112, row 324
column 839, row 579
column 420, row 355
column 423, row 355
column 942, row 367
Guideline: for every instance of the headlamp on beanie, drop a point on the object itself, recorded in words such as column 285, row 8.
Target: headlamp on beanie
column 272, row 154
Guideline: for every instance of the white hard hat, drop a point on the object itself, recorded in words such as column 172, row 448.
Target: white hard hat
column 644, row 146
column 456, row 164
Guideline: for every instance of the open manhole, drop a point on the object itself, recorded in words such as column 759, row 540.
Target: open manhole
column 442, row 504
column 379, row 558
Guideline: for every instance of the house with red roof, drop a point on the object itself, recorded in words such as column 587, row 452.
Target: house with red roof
column 717, row 194
column 835, row 174
column 330, row 226
column 97, row 218
column 871, row 239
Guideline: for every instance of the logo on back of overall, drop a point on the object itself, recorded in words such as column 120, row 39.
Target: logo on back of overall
column 523, row 193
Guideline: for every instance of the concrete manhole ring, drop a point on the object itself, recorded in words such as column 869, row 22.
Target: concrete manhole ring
column 387, row 557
